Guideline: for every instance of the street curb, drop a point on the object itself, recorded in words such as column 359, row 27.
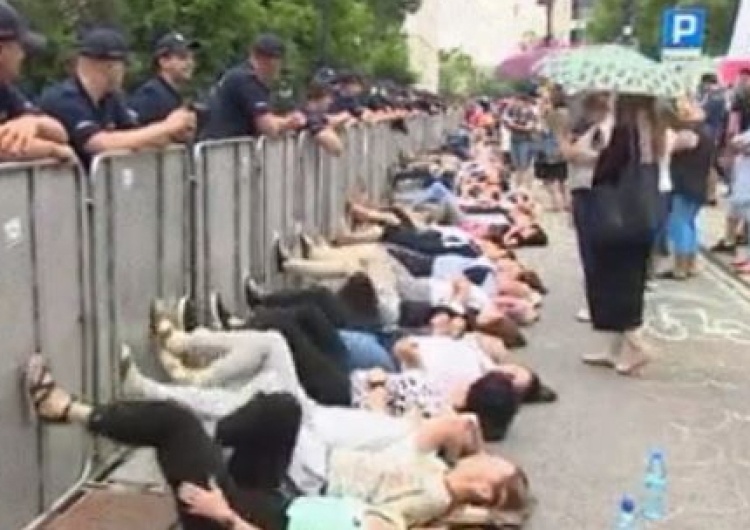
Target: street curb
column 726, row 269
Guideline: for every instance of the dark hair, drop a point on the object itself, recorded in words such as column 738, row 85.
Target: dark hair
column 538, row 392
column 496, row 234
column 709, row 78
column 532, row 279
column 360, row 298
column 263, row 433
column 504, row 329
column 494, row 401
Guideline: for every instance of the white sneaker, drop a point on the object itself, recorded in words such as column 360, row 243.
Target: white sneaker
column 584, row 315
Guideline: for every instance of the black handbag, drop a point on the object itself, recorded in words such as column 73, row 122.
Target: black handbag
column 627, row 210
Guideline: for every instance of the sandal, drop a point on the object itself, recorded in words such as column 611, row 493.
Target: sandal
column 39, row 387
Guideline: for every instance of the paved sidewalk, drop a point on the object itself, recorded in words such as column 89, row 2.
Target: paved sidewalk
column 711, row 231
column 588, row 449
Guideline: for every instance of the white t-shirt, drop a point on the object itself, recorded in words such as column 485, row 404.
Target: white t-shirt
column 452, row 362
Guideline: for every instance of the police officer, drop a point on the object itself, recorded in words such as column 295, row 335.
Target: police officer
column 174, row 59
column 319, row 98
column 92, row 108
column 24, row 132
column 240, row 102
column 350, row 96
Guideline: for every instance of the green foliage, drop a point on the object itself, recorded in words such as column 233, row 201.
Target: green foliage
column 460, row 76
column 361, row 34
column 607, row 21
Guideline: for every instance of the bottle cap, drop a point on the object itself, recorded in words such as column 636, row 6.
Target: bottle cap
column 657, row 454
column 627, row 505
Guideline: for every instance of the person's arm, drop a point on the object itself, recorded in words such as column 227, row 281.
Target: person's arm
column 683, row 140
column 330, row 141
column 39, row 148
column 211, row 504
column 157, row 134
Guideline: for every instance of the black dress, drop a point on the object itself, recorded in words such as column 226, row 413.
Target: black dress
column 617, row 277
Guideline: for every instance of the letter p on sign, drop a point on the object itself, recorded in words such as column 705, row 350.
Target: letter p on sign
column 684, row 26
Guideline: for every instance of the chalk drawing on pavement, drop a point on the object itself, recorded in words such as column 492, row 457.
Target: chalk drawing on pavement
column 677, row 318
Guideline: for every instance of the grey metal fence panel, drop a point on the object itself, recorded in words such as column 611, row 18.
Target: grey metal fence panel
column 138, row 217
column 274, row 204
column 20, row 475
column 43, row 296
column 228, row 175
column 308, row 182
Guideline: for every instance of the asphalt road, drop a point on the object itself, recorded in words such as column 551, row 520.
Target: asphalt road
column 584, row 452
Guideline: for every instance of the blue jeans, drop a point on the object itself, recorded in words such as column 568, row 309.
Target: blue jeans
column 522, row 153
column 365, row 351
column 682, row 225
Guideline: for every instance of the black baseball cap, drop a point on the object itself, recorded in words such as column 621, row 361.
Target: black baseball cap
column 103, row 43
column 13, row 27
column 269, row 45
column 175, row 43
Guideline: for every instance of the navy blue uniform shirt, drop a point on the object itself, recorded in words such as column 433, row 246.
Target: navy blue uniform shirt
column 82, row 118
column 237, row 101
column 154, row 100
column 13, row 103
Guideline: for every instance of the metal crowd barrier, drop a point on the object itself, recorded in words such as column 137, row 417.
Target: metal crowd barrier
column 82, row 256
column 44, row 297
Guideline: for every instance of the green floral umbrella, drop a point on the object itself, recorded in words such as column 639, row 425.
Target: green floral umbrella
column 610, row 68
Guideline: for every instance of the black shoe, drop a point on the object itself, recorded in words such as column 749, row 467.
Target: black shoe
column 253, row 293
column 186, row 314
column 306, row 245
column 722, row 247
column 281, row 254
column 220, row 317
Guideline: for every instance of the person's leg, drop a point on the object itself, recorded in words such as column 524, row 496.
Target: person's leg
column 418, row 264
column 313, row 323
column 366, row 352
column 679, row 233
column 184, row 450
column 318, row 296
column 246, row 354
column 323, row 379
column 693, row 238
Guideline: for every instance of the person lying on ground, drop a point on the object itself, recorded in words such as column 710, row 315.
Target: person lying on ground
column 234, row 358
column 193, row 464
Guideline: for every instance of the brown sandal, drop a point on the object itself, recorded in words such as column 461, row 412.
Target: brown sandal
column 40, row 388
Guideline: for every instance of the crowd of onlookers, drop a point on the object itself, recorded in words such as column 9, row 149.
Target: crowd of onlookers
column 89, row 113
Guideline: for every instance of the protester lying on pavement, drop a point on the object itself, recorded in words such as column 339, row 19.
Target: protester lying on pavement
column 403, row 480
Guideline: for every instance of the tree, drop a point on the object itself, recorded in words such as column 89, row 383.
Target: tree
column 365, row 34
column 608, row 17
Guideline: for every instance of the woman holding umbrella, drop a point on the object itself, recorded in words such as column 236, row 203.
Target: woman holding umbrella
column 623, row 209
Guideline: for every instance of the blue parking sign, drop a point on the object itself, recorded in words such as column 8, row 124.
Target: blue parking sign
column 683, row 28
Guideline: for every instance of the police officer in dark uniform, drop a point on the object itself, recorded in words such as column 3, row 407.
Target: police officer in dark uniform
column 240, row 102
column 350, row 96
column 92, row 108
column 24, row 132
column 319, row 99
column 174, row 59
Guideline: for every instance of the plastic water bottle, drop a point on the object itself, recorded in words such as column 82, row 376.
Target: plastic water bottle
column 627, row 518
column 655, row 484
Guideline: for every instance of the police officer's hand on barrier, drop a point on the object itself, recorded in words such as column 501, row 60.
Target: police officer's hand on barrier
column 181, row 121
column 16, row 135
column 296, row 120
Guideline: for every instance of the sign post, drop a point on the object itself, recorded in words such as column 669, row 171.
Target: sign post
column 683, row 33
